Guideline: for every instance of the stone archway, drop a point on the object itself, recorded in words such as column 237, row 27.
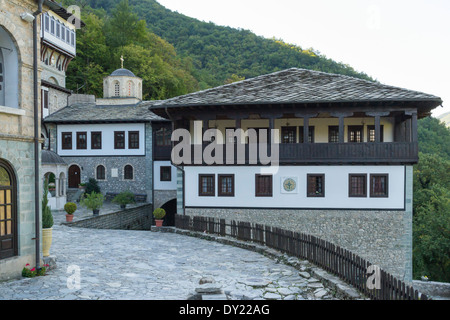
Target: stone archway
column 171, row 210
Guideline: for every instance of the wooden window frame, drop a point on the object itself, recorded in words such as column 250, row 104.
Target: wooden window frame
column 93, row 134
column 386, row 191
column 130, row 142
column 288, row 129
column 350, row 129
column 211, row 193
column 65, row 146
column 315, row 195
column 13, row 236
column 104, row 173
column 161, row 175
column 311, row 134
column 350, row 188
column 79, row 145
column 116, row 133
column 257, row 188
column 369, row 128
column 335, row 131
column 219, row 185
column 125, row 173
column 165, row 143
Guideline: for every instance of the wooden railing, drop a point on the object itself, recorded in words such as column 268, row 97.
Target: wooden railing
column 328, row 256
column 315, row 153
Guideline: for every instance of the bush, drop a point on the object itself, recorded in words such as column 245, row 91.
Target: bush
column 47, row 217
column 92, row 200
column 70, row 207
column 124, row 198
column 159, row 213
column 92, row 186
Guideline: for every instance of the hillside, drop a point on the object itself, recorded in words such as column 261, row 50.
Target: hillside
column 445, row 118
column 219, row 54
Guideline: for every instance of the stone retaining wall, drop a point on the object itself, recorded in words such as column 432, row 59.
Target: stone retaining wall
column 433, row 289
column 139, row 218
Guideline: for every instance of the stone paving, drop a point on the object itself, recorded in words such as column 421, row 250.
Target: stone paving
column 144, row 265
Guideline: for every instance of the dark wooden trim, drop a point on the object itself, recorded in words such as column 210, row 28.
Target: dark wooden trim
column 350, row 194
column 130, row 133
column 14, row 237
column 200, row 185
column 93, row 133
column 320, row 195
column 65, row 146
column 104, row 172
column 161, row 169
column 219, row 183
column 79, row 145
column 356, row 128
column 257, row 194
column 116, row 133
column 386, row 195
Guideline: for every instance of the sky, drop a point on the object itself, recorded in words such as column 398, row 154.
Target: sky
column 403, row 43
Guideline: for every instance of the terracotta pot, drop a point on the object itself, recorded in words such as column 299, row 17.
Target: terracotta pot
column 46, row 241
column 159, row 223
column 69, row 217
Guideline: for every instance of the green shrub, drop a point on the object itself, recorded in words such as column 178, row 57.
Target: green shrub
column 47, row 217
column 92, row 200
column 124, row 198
column 92, row 186
column 159, row 213
column 70, row 207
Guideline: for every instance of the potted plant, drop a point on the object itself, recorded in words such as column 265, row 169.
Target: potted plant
column 82, row 186
column 124, row 198
column 47, row 223
column 93, row 201
column 70, row 208
column 159, row 214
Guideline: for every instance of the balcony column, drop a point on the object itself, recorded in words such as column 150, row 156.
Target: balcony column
column 411, row 126
column 341, row 116
column 377, row 116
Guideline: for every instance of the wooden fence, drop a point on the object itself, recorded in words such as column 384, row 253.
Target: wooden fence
column 328, row 256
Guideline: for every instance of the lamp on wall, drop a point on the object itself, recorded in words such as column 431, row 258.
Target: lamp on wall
column 28, row 17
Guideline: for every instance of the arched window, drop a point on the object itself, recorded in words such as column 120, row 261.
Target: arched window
column 8, row 212
column 128, row 172
column 9, row 73
column 117, row 89
column 101, row 173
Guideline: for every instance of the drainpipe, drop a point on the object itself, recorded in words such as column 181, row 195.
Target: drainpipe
column 177, row 166
column 36, row 135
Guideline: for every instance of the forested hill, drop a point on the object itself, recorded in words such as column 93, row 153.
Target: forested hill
column 220, row 54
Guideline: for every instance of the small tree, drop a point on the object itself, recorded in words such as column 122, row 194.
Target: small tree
column 92, row 186
column 47, row 217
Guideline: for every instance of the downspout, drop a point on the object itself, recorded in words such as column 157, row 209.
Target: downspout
column 36, row 135
column 177, row 166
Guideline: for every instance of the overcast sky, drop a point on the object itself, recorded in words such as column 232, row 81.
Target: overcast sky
column 404, row 43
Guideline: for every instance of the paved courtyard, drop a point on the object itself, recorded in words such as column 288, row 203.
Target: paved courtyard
column 128, row 265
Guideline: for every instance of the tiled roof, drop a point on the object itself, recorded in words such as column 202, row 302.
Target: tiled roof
column 50, row 157
column 122, row 72
column 297, row 86
column 91, row 113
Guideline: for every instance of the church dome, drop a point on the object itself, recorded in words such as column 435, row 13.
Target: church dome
column 122, row 72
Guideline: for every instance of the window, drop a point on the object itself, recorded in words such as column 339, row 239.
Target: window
column 2, row 77
column 119, row 139
column 357, row 185
column 316, row 185
column 379, row 185
column 117, row 89
column 72, row 39
column 133, row 140
column 310, row 134
column 333, row 134
column 66, row 140
column 96, row 140
column 68, row 35
column 226, row 185
column 165, row 173
column 47, row 22
column 8, row 212
column 52, row 26
column 101, row 173
column 163, row 137
column 263, row 185
column 355, row 133
column 288, row 134
column 58, row 29
column 206, row 185
column 63, row 33
column 128, row 172
column 231, row 138
column 44, row 99
column 371, row 133
column 260, row 132
column 81, row 140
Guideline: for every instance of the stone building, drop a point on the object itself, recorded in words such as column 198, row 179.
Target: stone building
column 117, row 141
column 338, row 165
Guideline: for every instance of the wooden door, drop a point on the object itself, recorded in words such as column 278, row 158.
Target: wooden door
column 74, row 176
column 8, row 212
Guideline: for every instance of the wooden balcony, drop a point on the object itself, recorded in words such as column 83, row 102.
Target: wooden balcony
column 322, row 153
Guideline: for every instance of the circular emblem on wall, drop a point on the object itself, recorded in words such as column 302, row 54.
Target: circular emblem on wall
column 289, row 184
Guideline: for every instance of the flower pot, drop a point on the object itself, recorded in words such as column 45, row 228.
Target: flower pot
column 69, row 217
column 159, row 223
column 46, row 241
column 96, row 212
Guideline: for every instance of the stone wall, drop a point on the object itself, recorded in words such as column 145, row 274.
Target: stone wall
column 374, row 235
column 139, row 218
